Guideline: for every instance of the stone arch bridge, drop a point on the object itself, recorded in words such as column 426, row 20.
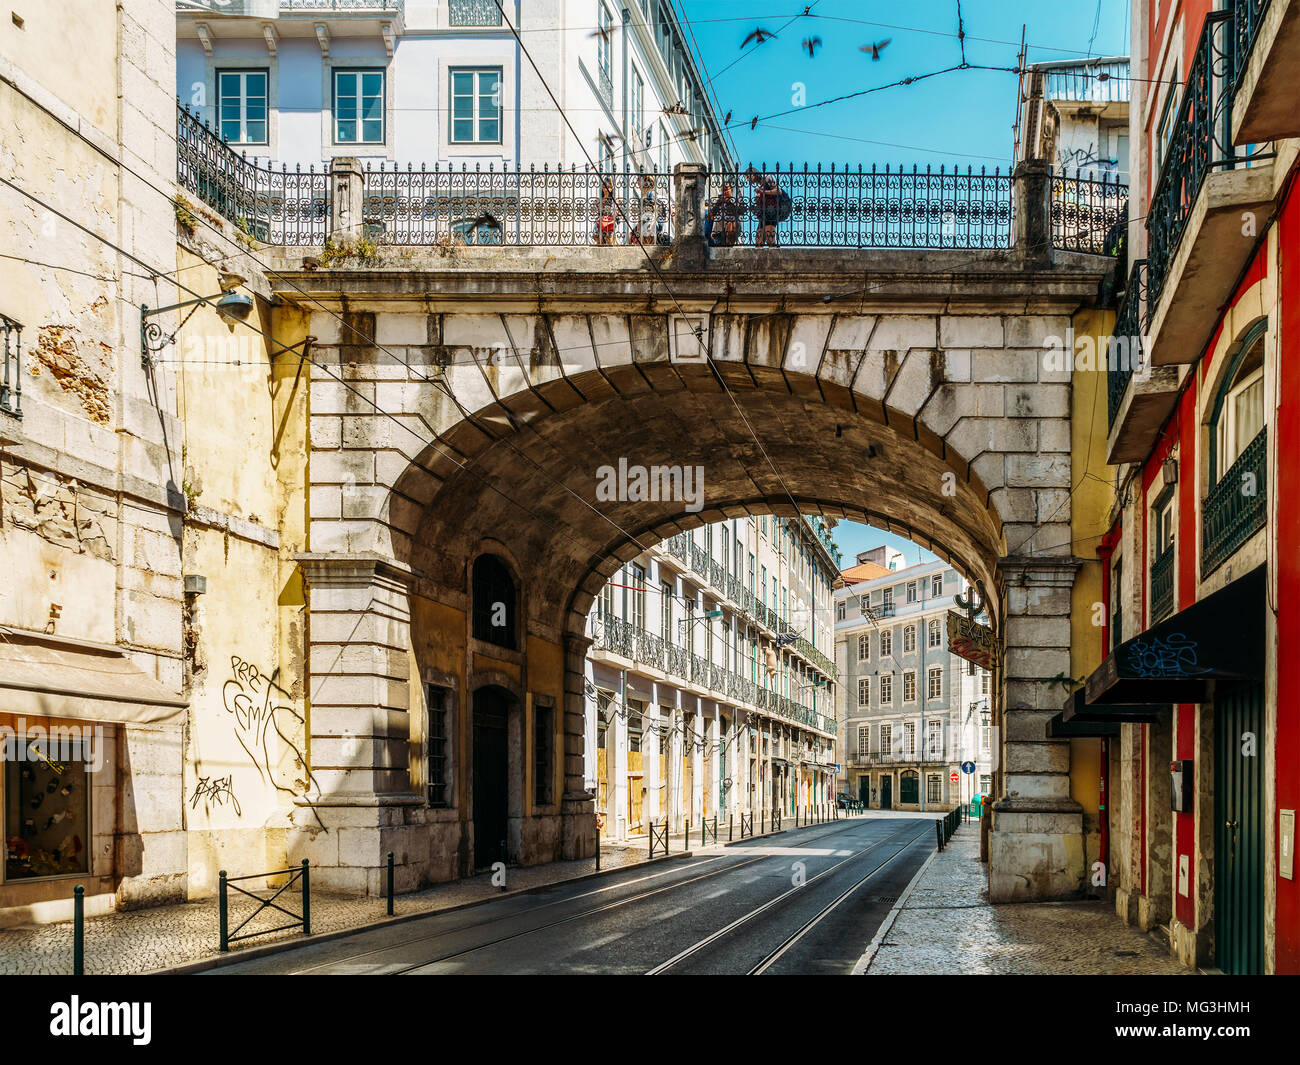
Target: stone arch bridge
column 462, row 402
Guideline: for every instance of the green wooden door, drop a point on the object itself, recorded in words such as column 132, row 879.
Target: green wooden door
column 909, row 788
column 1239, row 827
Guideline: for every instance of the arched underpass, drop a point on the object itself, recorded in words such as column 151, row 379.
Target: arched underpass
column 913, row 397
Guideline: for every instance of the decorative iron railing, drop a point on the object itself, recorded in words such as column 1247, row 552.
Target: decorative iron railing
column 1236, row 507
column 282, row 207
column 1126, row 351
column 1201, row 141
column 1247, row 15
column 699, row 560
column 473, row 13
column 1162, row 584
column 1088, row 214
column 517, row 207
column 863, row 208
column 346, row 5
column 11, row 377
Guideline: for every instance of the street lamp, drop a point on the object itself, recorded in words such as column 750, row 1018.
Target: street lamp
column 233, row 308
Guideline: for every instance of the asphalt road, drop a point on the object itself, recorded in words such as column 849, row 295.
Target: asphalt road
column 807, row 901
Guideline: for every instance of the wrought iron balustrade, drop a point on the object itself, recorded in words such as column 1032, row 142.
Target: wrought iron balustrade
column 473, row 13
column 890, row 208
column 717, row 575
column 699, row 560
column 1247, row 15
column 1236, row 507
column 1088, row 214
column 1162, row 584
column 1127, row 350
column 282, row 207
column 516, row 207
column 1200, row 141
column 11, row 375
column 344, row 5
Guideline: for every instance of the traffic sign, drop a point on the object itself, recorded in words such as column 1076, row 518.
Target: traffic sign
column 953, row 776
column 967, row 767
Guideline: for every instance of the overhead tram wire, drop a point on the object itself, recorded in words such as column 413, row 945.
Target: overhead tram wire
column 699, row 55
column 779, row 31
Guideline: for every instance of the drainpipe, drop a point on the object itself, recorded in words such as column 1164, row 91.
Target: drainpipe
column 1103, row 816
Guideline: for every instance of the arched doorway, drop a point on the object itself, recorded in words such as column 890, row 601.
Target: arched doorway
column 909, row 788
column 490, row 780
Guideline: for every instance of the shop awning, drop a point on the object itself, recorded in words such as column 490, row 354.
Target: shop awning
column 1077, row 711
column 1058, row 728
column 49, row 676
column 1218, row 637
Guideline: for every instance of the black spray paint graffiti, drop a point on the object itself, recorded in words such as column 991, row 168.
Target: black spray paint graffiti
column 262, row 710
column 215, row 791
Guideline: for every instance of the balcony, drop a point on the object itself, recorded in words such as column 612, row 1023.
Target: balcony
column 1162, row 584
column 1267, row 56
column 888, row 758
column 1195, row 249
column 1236, row 507
column 1140, row 397
column 254, row 19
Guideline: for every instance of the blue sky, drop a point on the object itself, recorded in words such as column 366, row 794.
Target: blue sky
column 963, row 118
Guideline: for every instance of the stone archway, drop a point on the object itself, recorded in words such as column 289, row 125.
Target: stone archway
column 922, row 405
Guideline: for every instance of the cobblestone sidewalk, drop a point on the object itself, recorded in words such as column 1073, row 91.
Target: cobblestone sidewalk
column 947, row 925
column 140, row 941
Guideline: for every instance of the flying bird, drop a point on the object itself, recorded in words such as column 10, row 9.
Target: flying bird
column 875, row 49
column 608, row 139
column 603, row 34
column 811, row 44
column 485, row 221
column 760, row 35
column 693, row 133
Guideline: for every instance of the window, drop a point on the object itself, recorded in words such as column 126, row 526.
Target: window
column 473, row 13
column 436, row 745
column 543, row 748
column 666, row 611
column 636, row 578
column 494, row 597
column 864, row 740
column 887, row 599
column 909, row 639
column 934, row 683
column 751, row 574
column 635, row 724
column 934, row 633
column 986, row 783
column 1165, row 130
column 762, row 588
column 358, row 107
column 241, row 102
column 933, row 784
column 909, row 739
column 605, row 24
column 936, row 586
column 47, row 813
column 689, row 626
column 911, row 591
column 1239, row 413
column 886, row 643
column 1162, row 522
column 886, row 739
column 475, row 105
column 909, row 686
column 886, row 689
column 864, row 647
column 986, row 738
column 636, row 109
column 864, row 691
column 839, row 612
column 984, row 681
column 934, row 739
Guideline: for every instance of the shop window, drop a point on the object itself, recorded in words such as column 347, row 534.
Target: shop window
column 46, row 807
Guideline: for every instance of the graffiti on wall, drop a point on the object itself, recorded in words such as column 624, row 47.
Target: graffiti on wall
column 268, row 728
column 215, row 793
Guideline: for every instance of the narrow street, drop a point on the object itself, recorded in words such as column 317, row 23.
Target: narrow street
column 726, row 911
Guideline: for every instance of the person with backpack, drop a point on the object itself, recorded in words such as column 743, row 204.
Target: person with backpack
column 771, row 206
column 607, row 221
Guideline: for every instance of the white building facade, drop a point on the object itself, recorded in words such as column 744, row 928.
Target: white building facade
column 710, row 685
column 910, row 711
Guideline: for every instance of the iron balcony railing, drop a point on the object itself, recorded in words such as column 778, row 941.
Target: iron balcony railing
column 517, row 207
column 1236, row 507
column 1162, row 584
column 282, row 207
column 473, row 13
column 11, row 376
column 1247, row 15
column 898, row 757
column 351, row 5
column 844, row 208
column 1200, row 141
column 1126, row 351
column 1088, row 214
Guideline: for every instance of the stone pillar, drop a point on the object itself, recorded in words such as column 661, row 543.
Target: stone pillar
column 688, row 198
column 1031, row 214
column 347, row 191
column 1036, row 839
column 578, row 805
column 359, row 725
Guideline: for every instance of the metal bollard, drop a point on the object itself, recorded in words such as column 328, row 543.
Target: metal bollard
column 938, row 829
column 306, row 898
column 221, row 911
column 390, row 883
column 731, row 827
column 78, row 931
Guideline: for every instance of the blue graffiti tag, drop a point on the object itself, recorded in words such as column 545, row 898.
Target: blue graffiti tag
column 1171, row 656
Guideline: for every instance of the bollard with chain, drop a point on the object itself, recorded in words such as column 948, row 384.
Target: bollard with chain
column 222, row 913
column 306, row 899
column 78, row 931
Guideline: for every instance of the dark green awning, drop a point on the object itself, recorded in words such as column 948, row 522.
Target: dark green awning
column 1218, row 637
column 1058, row 728
column 1077, row 711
